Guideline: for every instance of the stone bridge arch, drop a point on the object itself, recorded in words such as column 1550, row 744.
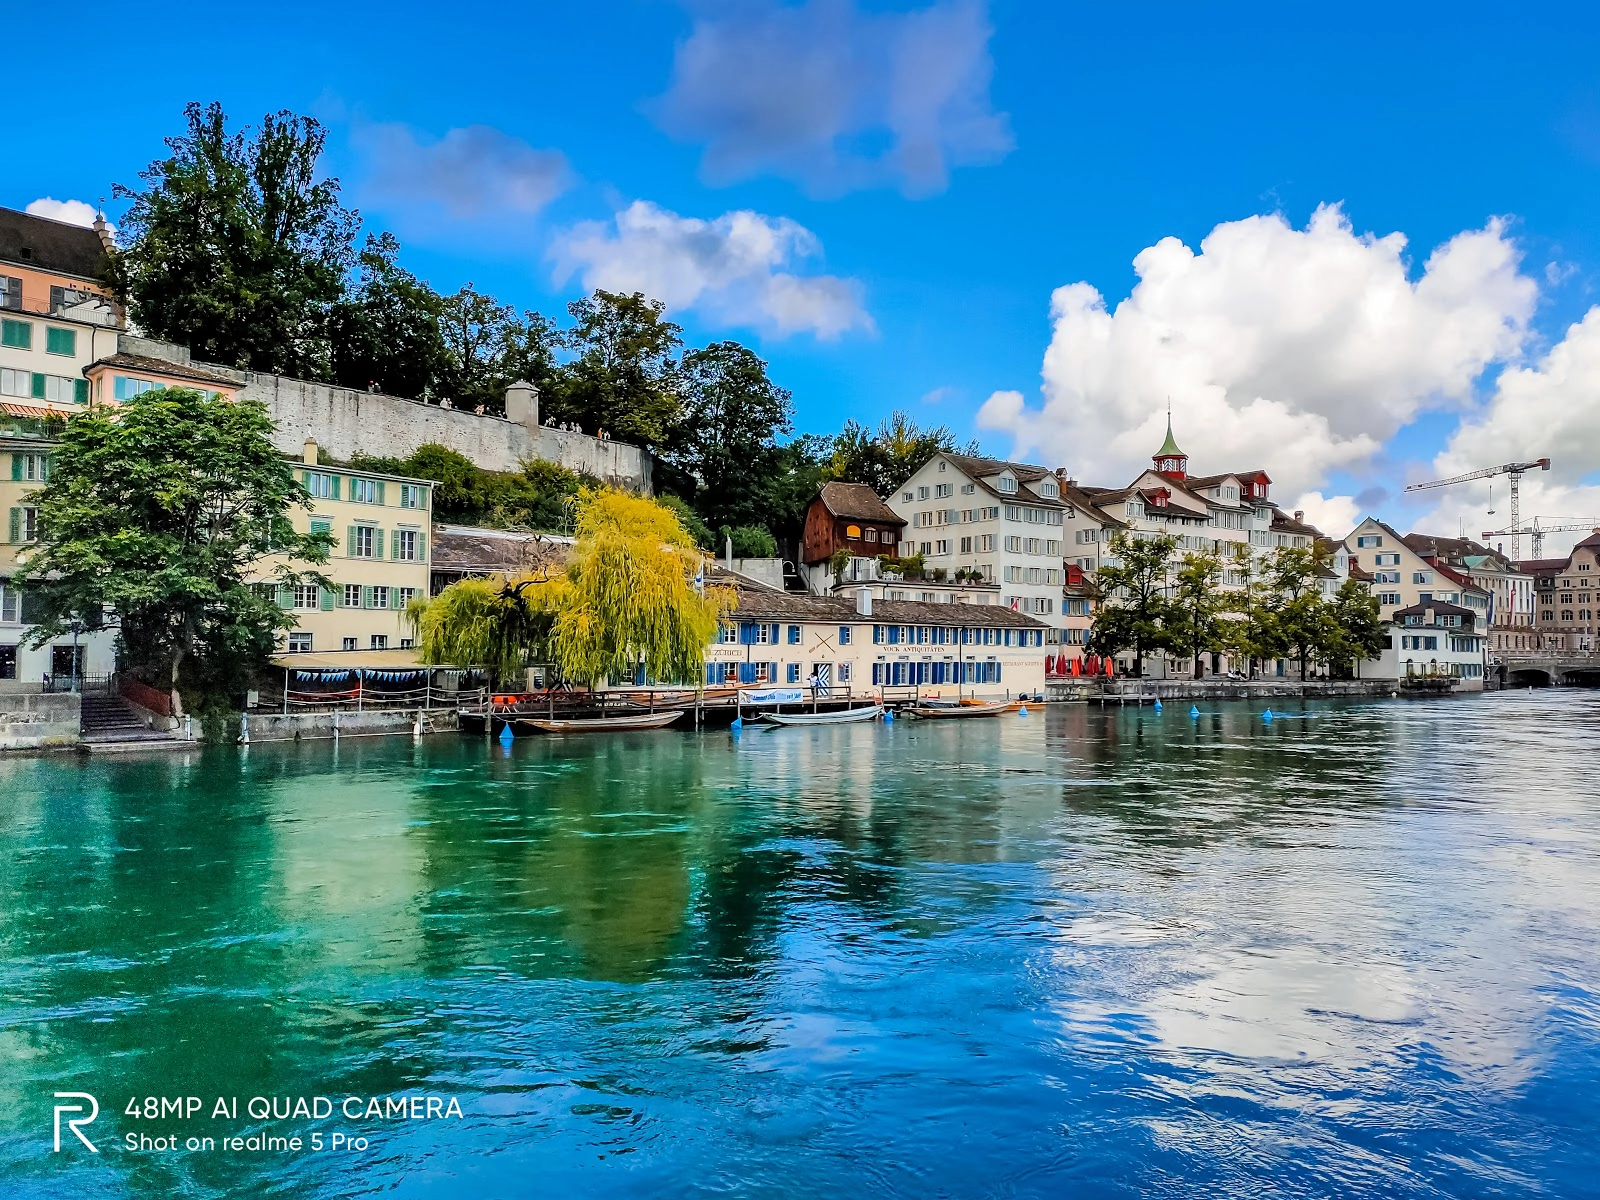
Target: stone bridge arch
column 1585, row 676
column 1528, row 677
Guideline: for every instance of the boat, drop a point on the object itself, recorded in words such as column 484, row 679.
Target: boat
column 843, row 716
column 940, row 711
column 598, row 724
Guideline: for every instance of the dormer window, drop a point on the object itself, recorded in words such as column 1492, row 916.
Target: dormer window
column 1006, row 483
column 1049, row 488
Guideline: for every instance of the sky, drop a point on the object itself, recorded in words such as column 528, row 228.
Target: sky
column 1356, row 247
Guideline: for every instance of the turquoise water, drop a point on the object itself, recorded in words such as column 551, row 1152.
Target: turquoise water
column 1087, row 953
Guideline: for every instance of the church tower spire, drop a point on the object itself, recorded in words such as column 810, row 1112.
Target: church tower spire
column 1169, row 460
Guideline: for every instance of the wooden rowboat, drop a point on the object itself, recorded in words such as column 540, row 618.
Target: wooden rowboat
column 599, row 724
column 941, row 712
column 844, row 716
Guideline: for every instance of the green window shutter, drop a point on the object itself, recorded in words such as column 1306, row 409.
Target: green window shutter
column 60, row 341
column 38, row 386
column 335, row 487
column 394, row 597
column 285, row 596
column 350, row 541
column 366, row 596
column 422, row 548
column 326, row 598
column 16, row 526
column 305, row 480
column 16, row 472
column 80, row 391
column 380, row 491
column 377, row 543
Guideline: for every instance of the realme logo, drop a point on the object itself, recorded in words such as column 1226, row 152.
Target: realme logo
column 74, row 1124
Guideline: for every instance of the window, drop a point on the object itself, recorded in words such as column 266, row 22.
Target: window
column 966, row 545
column 58, row 389
column 922, row 493
column 728, row 634
column 321, row 525
column 792, row 675
column 968, row 488
column 1049, row 488
column 852, row 531
column 299, row 642
column 407, row 643
column 347, row 644
column 16, row 334
column 907, row 497
column 872, row 536
column 380, row 641
column 844, row 635
column 321, row 485
column 941, row 490
column 363, row 541
column 60, row 341
column 24, row 524
column 305, row 595
column 15, row 383
column 407, row 595
column 411, row 495
column 941, row 547
column 1007, row 483
column 352, row 599
column 364, row 491
column 986, row 543
column 1388, row 597
column 405, row 545
column 1368, row 541
column 794, row 635
column 10, row 297
column 30, row 467
column 126, row 387
column 844, row 672
column 380, row 597
column 1422, row 577
column 1013, row 545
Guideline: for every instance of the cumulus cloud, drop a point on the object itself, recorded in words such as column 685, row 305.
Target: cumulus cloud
column 73, row 212
column 834, row 98
column 1297, row 350
column 1547, row 408
column 733, row 270
column 469, row 172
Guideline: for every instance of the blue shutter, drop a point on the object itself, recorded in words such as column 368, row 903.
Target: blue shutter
column 747, row 636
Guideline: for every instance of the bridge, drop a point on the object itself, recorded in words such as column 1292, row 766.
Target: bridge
column 1566, row 668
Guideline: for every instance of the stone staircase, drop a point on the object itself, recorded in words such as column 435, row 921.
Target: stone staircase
column 109, row 721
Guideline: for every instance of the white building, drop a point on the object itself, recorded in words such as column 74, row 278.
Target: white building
column 1433, row 639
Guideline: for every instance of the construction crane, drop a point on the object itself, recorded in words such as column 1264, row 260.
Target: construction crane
column 1537, row 531
column 1514, row 470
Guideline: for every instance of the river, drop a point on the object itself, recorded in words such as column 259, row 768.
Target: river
column 1353, row 951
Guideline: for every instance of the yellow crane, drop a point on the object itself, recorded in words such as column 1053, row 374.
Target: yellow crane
column 1514, row 470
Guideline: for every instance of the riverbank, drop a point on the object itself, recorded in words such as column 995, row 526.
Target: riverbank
column 1146, row 691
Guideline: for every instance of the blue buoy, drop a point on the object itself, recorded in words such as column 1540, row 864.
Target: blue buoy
column 888, row 716
column 1267, row 716
column 1022, row 711
column 738, row 724
column 505, row 734
column 1194, row 710
column 1158, row 706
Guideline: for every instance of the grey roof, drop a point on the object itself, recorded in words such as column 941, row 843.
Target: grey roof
column 1027, row 474
column 471, row 551
column 53, row 246
column 858, row 502
column 1439, row 607
column 160, row 366
column 766, row 604
column 1285, row 523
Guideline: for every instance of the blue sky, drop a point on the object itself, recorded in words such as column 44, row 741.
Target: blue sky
column 923, row 176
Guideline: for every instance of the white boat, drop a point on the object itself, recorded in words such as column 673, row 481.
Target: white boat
column 843, row 716
column 941, row 712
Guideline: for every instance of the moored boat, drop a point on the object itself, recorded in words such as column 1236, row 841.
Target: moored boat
column 597, row 724
column 842, row 716
column 965, row 709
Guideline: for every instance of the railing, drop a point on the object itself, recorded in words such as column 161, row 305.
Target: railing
column 76, row 683
column 361, row 698
column 35, row 308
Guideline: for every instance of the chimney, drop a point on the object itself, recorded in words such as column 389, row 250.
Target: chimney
column 522, row 404
column 103, row 228
column 728, row 551
column 863, row 602
column 309, row 455
column 1300, row 515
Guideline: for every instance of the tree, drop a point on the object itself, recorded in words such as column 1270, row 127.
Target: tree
column 1251, row 630
column 886, row 459
column 727, row 432
column 157, row 514
column 1133, row 605
column 626, row 599
column 1194, row 614
column 1295, row 579
column 749, row 541
column 1358, row 627
column 624, row 379
column 388, row 330
column 477, row 332
column 235, row 247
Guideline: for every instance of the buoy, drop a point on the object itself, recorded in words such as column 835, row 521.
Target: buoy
column 1267, row 716
column 1022, row 711
column 738, row 724
column 1158, row 706
column 888, row 716
column 505, row 733
column 1194, row 710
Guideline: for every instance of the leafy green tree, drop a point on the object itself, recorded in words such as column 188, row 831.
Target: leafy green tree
column 886, row 459
column 1194, row 614
column 749, row 541
column 728, row 430
column 624, row 378
column 1250, row 631
column 388, row 330
column 236, row 247
column 698, row 529
column 1294, row 577
column 157, row 514
column 459, row 496
column 1132, row 591
column 477, row 331
column 1358, row 627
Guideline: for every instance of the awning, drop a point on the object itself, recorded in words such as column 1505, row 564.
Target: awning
column 347, row 660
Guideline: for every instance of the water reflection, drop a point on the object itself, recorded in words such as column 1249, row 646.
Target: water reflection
column 1108, row 949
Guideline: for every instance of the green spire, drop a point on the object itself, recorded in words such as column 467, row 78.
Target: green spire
column 1169, row 448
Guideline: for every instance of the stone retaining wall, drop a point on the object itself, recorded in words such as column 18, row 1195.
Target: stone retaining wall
column 311, row 726
column 39, row 720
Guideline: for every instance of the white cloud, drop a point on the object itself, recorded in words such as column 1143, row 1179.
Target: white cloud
column 1298, row 351
column 73, row 212
column 732, row 269
column 1549, row 408
column 468, row 172
column 835, row 98
column 1334, row 515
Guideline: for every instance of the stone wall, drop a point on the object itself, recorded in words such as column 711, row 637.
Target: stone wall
column 317, row 726
column 346, row 422
column 40, row 719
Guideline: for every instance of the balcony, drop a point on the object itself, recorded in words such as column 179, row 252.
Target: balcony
column 85, row 308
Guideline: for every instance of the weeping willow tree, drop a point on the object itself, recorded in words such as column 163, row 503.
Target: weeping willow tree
column 626, row 598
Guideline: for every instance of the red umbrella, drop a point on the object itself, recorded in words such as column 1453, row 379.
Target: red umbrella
column 1110, row 672
column 1077, row 667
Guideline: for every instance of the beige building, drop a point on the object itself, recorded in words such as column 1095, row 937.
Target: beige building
column 1567, row 598
column 380, row 560
column 1403, row 578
